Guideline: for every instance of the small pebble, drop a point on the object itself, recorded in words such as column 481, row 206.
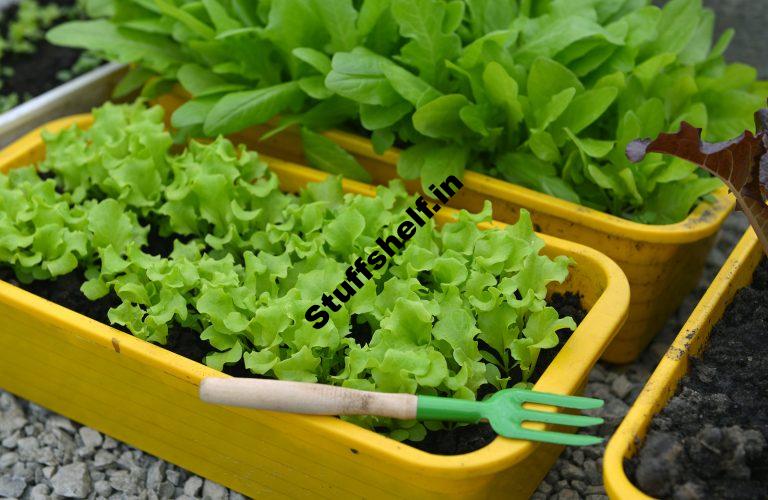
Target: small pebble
column 192, row 486
column 40, row 492
column 48, row 472
column 579, row 486
column 552, row 477
column 72, row 481
column 593, row 452
column 91, row 438
column 102, row 488
column 592, row 473
column 39, row 476
column 124, row 481
column 10, row 441
column 568, row 494
column 12, row 486
column 214, row 491
column 7, row 460
column 109, row 443
column 599, row 391
column 166, row 490
column 572, row 471
column 621, row 386
column 103, row 458
column 155, row 474
column 597, row 374
column 173, row 477
column 47, row 456
column 27, row 448
column 57, row 422
column 27, row 473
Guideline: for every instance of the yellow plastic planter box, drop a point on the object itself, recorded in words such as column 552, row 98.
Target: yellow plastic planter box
column 662, row 263
column 147, row 396
column 735, row 274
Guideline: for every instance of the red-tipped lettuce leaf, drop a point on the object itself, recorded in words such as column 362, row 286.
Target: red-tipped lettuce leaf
column 741, row 163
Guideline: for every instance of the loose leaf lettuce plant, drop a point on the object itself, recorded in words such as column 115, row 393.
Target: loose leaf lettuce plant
column 545, row 94
column 459, row 308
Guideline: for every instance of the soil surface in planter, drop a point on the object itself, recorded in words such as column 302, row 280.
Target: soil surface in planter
column 65, row 291
column 35, row 73
column 710, row 439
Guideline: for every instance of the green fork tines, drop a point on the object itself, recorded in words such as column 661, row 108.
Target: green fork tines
column 506, row 414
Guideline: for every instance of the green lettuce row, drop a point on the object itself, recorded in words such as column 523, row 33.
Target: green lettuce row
column 45, row 234
column 123, row 156
column 217, row 191
column 544, row 94
column 459, row 308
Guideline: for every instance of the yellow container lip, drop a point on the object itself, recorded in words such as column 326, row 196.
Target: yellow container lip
column 703, row 221
column 582, row 350
column 663, row 380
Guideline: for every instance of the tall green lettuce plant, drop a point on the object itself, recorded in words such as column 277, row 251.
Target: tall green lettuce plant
column 545, row 94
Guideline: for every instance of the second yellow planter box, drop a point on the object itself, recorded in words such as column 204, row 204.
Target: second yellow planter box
column 735, row 274
column 147, row 396
column 662, row 263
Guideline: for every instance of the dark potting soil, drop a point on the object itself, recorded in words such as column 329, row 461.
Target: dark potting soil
column 710, row 439
column 35, row 73
column 65, row 291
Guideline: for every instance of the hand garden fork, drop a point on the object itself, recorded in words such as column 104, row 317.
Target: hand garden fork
column 504, row 410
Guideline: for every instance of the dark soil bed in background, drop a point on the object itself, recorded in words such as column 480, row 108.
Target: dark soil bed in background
column 65, row 291
column 35, row 73
column 710, row 439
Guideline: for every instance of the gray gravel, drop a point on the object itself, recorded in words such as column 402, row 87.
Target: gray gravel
column 44, row 455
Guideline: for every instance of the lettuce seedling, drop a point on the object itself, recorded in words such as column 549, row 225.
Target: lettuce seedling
column 741, row 163
column 45, row 234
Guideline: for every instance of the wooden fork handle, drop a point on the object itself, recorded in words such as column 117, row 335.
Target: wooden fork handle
column 306, row 398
